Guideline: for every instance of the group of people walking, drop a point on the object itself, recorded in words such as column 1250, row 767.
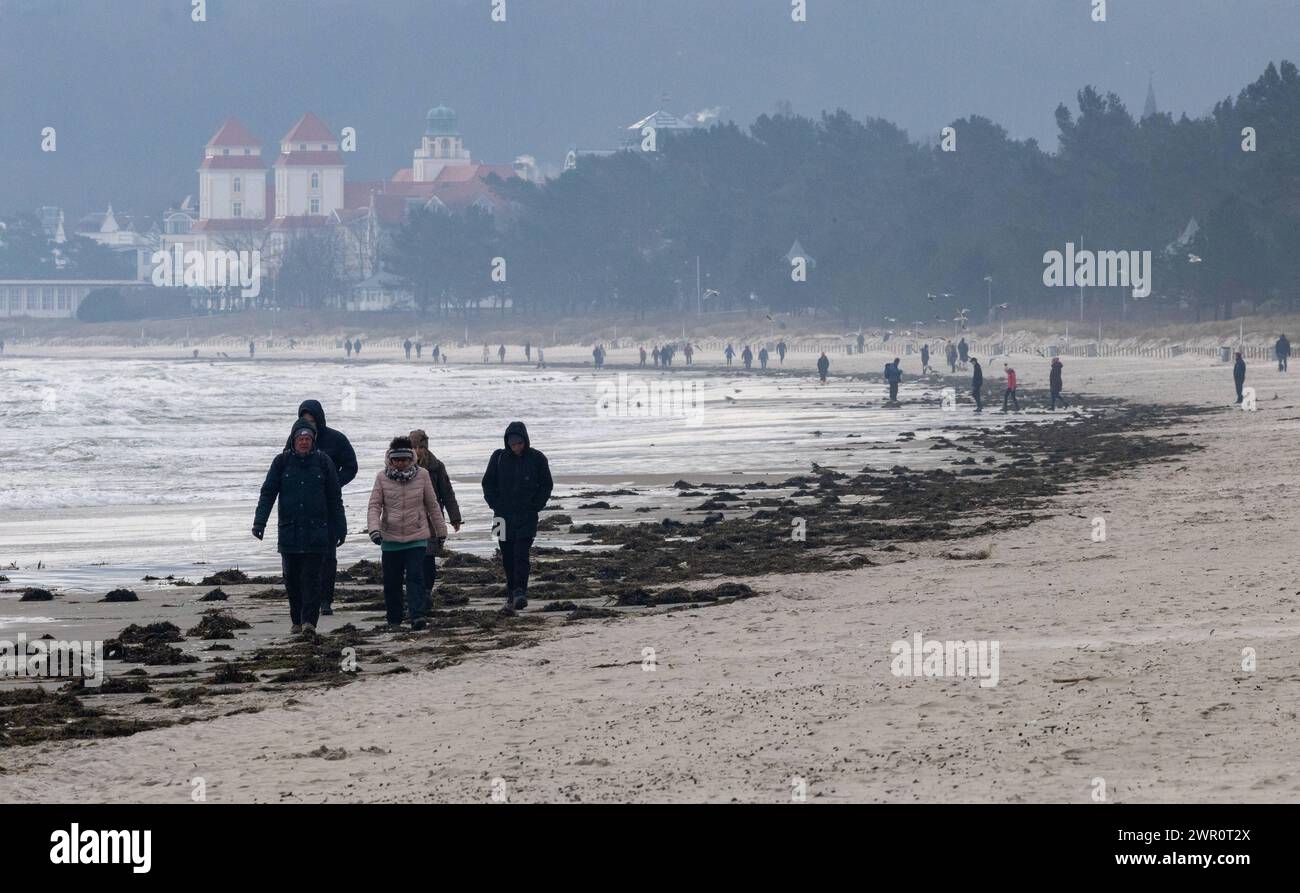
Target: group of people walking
column 411, row 504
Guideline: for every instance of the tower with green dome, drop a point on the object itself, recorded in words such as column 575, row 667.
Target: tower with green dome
column 440, row 147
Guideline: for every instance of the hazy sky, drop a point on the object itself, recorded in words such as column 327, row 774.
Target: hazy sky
column 135, row 88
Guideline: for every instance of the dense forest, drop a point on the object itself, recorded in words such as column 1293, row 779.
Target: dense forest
column 885, row 221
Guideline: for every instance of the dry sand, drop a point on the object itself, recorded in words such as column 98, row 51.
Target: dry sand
column 1198, row 564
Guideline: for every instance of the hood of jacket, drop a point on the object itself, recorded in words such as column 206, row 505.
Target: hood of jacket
column 317, row 413
column 516, row 428
column 303, row 423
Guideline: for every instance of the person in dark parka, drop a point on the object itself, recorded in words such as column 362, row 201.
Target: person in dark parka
column 1283, row 351
column 335, row 444
column 823, row 366
column 516, row 485
column 1239, row 375
column 1054, row 382
column 311, row 521
column 977, row 384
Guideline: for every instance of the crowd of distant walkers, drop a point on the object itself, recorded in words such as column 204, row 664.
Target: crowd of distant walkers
column 412, row 500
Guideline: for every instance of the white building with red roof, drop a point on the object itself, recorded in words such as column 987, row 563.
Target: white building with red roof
column 241, row 207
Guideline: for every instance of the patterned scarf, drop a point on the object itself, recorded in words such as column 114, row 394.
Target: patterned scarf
column 403, row 475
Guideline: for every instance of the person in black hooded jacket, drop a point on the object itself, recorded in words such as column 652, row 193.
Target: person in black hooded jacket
column 311, row 521
column 516, row 486
column 335, row 444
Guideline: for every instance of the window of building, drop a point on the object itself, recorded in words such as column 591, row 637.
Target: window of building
column 33, row 298
column 315, row 180
column 302, row 147
column 238, row 209
column 324, row 148
column 248, row 151
column 238, row 183
column 62, row 299
column 315, row 206
column 47, row 298
column 225, row 151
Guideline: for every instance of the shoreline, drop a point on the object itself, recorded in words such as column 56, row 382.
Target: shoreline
column 720, row 545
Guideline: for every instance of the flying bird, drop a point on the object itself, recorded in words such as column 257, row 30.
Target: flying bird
column 1193, row 259
column 1003, row 306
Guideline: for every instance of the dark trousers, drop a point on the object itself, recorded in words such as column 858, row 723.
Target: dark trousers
column 1281, row 364
column 1239, row 383
column 405, row 566
column 303, row 583
column 979, row 398
column 893, row 392
column 329, row 571
column 430, row 573
column 1010, row 395
column 514, row 559
column 1056, row 396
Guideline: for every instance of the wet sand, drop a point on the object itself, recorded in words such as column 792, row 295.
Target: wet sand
column 1120, row 660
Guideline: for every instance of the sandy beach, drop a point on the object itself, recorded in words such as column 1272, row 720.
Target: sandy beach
column 1121, row 660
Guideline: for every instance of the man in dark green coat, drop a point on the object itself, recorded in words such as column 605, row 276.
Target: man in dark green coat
column 311, row 520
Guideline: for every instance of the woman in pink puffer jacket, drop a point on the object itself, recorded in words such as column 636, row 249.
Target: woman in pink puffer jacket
column 402, row 517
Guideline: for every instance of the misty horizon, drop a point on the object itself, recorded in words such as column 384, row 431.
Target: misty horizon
column 558, row 76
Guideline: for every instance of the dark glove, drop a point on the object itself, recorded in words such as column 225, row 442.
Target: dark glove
column 376, row 537
column 442, row 541
column 258, row 531
column 342, row 538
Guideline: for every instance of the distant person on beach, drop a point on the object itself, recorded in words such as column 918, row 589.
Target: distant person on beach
column 501, row 352
column 356, row 347
column 689, row 350
column 762, row 357
column 654, row 355
column 925, row 358
column 862, row 343
column 643, row 355
column 1239, row 375
column 977, row 385
column 528, row 351
column 252, row 349
column 1054, row 383
column 334, row 444
column 963, row 351
column 419, row 349
column 951, row 352
column 437, row 349
column 311, row 521
column 516, row 485
column 1010, row 393
column 893, row 375
column 729, row 353
column 2, row 345
column 407, row 345
column 541, row 358
column 486, row 352
column 747, row 357
column 196, row 352
column 1283, row 351
column 666, row 355
column 347, row 346
column 595, row 356
column 780, row 351
column 404, row 520
column 823, row 366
